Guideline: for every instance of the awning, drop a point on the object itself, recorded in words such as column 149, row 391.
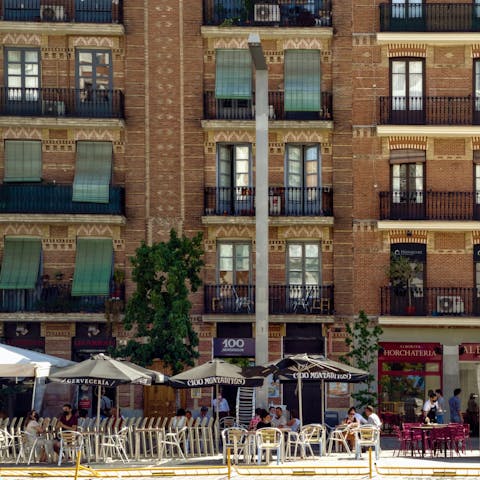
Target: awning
column 21, row 263
column 233, row 75
column 302, row 80
column 23, row 161
column 93, row 171
column 93, row 267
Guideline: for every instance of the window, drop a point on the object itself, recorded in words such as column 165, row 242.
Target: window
column 235, row 194
column 234, row 263
column 407, row 8
column 476, row 261
column 94, row 75
column 407, row 84
column 302, row 81
column 407, row 176
column 303, row 174
column 92, row 172
column 303, row 264
column 233, row 75
column 23, row 161
column 477, row 178
column 477, row 83
column 23, row 74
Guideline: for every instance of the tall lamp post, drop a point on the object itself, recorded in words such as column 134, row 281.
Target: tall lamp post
column 261, row 208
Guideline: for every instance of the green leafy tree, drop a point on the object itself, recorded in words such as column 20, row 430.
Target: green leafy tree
column 362, row 339
column 165, row 274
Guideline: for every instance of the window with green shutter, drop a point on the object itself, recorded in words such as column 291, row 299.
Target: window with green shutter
column 93, row 172
column 20, row 263
column 23, row 161
column 233, row 76
column 302, row 81
column 93, row 267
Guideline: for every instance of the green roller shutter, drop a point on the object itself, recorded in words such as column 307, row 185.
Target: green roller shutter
column 93, row 171
column 21, row 263
column 302, row 80
column 93, row 267
column 233, row 76
column 23, row 161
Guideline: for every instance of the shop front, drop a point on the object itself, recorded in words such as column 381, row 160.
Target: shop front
column 406, row 373
column 469, row 362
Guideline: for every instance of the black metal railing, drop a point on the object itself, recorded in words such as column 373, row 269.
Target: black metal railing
column 282, row 201
column 51, row 298
column 428, row 205
column 294, row 13
column 62, row 102
column 225, row 109
column 434, row 301
column 84, row 11
column 54, row 198
column 429, row 17
column 429, row 110
column 283, row 299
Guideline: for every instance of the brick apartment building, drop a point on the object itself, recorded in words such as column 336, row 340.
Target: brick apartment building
column 122, row 120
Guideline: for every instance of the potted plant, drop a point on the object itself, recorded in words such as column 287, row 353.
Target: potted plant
column 401, row 273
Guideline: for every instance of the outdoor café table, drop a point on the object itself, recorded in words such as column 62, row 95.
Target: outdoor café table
column 424, row 429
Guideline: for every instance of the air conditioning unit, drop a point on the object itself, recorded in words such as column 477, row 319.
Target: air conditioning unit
column 267, row 13
column 275, row 204
column 450, row 304
column 53, row 107
column 52, row 13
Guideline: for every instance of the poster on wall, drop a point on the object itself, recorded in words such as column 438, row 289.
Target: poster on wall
column 273, row 387
column 337, row 389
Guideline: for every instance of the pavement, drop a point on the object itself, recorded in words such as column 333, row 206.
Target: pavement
column 390, row 465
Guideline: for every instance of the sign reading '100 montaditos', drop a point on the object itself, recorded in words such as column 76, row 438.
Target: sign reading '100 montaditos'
column 205, row 382
column 234, row 347
column 332, row 376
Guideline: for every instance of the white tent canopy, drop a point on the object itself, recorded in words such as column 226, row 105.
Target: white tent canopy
column 21, row 363
column 18, row 362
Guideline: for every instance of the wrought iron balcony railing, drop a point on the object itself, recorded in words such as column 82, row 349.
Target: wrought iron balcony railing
column 428, row 205
column 293, row 13
column 434, row 301
column 283, row 299
column 51, row 298
column 429, row 110
column 429, row 17
column 282, row 201
column 61, row 102
column 224, row 109
column 83, row 11
column 54, row 198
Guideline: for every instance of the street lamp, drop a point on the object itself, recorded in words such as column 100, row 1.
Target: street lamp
column 261, row 208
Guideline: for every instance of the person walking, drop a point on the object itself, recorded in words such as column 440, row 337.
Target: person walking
column 441, row 406
column 454, row 403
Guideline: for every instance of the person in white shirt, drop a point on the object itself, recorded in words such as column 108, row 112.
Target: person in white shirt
column 279, row 420
column 430, row 408
column 223, row 407
column 372, row 417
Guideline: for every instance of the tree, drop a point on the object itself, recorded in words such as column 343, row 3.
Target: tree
column 165, row 274
column 363, row 340
column 402, row 272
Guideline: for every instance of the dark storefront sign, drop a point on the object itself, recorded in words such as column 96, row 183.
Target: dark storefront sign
column 91, row 338
column 233, row 347
column 476, row 253
column 24, row 335
column 413, row 251
column 469, row 352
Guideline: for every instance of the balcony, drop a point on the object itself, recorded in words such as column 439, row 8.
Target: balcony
column 222, row 109
column 429, row 111
column 283, row 201
column 53, row 198
column 50, row 298
column 283, row 299
column 61, row 102
column 431, row 301
column 461, row 206
column 294, row 13
column 70, row 11
column 429, row 17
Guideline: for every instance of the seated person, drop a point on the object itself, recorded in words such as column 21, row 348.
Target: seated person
column 67, row 421
column 255, row 419
column 265, row 420
column 352, row 422
column 33, row 428
column 294, row 422
column 279, row 420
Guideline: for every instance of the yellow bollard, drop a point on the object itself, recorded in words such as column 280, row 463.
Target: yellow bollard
column 229, row 464
column 370, row 469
